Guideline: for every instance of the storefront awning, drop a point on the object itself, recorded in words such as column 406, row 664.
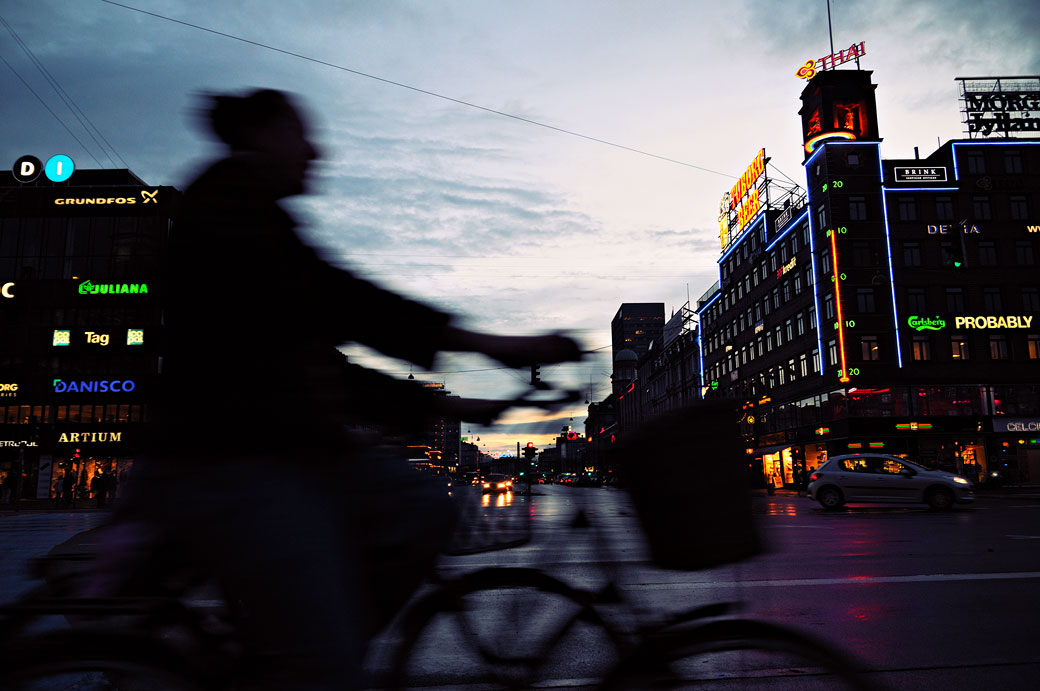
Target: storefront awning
column 776, row 448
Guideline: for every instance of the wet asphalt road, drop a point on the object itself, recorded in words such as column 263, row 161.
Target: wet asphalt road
column 931, row 600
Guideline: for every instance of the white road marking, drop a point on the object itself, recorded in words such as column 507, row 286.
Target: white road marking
column 855, row 580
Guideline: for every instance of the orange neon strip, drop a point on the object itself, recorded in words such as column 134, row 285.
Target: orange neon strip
column 844, row 377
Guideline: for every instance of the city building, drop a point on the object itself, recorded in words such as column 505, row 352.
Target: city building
column 80, row 269
column 635, row 326
column 894, row 305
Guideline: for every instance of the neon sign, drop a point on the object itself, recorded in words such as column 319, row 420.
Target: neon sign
column 787, row 267
column 843, row 375
column 829, row 62
column 61, row 386
column 87, row 437
column 906, row 174
column 8, row 390
column 914, row 425
column 88, row 288
column 926, row 323
column 742, row 198
column 1000, row 105
column 991, row 322
column 146, row 198
column 7, row 290
column 810, row 146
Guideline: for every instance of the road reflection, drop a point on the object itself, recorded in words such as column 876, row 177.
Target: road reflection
column 500, row 500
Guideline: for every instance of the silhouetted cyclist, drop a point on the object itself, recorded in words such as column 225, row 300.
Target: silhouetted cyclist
column 317, row 533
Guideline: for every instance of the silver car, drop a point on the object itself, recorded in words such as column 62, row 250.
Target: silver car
column 868, row 477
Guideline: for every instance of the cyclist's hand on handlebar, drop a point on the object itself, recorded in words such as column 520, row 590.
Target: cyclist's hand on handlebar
column 515, row 351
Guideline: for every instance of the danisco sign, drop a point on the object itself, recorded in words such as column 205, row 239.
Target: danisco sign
column 115, row 385
column 991, row 322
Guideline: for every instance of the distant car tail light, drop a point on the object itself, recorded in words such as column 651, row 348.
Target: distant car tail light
column 487, row 484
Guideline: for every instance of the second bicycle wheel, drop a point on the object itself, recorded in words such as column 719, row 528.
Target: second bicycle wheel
column 88, row 660
column 502, row 628
column 737, row 654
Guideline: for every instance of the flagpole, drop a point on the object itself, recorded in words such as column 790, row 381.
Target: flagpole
column 830, row 31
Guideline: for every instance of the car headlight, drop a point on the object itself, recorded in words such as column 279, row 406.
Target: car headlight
column 960, row 481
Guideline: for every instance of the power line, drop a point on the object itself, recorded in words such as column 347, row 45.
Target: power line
column 468, row 104
column 76, row 111
column 44, row 104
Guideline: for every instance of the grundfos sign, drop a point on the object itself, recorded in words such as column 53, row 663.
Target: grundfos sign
column 115, row 385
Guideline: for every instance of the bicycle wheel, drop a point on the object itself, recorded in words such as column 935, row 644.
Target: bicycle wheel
column 502, row 628
column 89, row 660
column 737, row 654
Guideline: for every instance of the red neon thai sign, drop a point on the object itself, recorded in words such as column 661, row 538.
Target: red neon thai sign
column 829, row 62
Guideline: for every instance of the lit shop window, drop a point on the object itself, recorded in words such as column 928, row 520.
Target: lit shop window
column 959, row 347
column 922, row 348
column 1033, row 344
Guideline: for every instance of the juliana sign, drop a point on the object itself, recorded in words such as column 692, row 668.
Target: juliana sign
column 1000, row 105
column 115, row 385
column 88, row 288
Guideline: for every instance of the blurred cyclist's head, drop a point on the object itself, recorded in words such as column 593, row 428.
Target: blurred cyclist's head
column 265, row 122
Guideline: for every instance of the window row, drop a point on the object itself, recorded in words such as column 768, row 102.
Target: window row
column 48, row 415
column 945, row 208
column 993, row 301
column 980, row 253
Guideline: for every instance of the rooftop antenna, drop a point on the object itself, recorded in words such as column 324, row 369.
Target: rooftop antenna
column 830, row 31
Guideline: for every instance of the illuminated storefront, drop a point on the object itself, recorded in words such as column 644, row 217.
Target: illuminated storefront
column 79, row 270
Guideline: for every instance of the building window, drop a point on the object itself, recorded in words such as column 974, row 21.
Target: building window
column 789, row 328
column 776, row 298
column 988, row 253
column 812, row 317
column 869, row 347
column 1019, row 208
column 828, row 306
column 808, row 277
column 815, row 360
column 821, row 217
column 787, row 291
column 783, row 253
column 915, row 301
column 865, row 299
column 799, row 324
column 825, row 261
column 779, row 334
column 980, row 208
column 922, row 348
column 758, row 312
column 955, row 300
column 803, row 365
column 1033, row 343
column 1012, row 161
column 853, row 159
column 797, row 283
column 765, row 305
column 1030, row 300
column 1024, row 253
column 907, row 209
column 857, row 208
column 976, row 162
column 861, row 254
column 944, row 208
column 959, row 347
column 911, row 254
column 832, row 353
column 794, row 243
column 991, row 298
column 998, row 348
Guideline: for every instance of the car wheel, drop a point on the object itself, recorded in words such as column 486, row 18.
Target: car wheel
column 939, row 498
column 830, row 498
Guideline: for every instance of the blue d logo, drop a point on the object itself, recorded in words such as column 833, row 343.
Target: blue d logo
column 59, row 168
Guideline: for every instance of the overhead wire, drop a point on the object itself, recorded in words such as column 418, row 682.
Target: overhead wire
column 49, row 110
column 69, row 102
column 416, row 89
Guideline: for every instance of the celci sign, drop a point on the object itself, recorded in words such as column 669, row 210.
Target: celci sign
column 926, row 323
column 991, row 322
column 89, row 288
column 115, row 385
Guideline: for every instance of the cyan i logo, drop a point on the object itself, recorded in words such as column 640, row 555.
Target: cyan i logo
column 58, row 168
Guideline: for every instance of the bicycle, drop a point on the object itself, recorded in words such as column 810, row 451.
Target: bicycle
column 688, row 649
